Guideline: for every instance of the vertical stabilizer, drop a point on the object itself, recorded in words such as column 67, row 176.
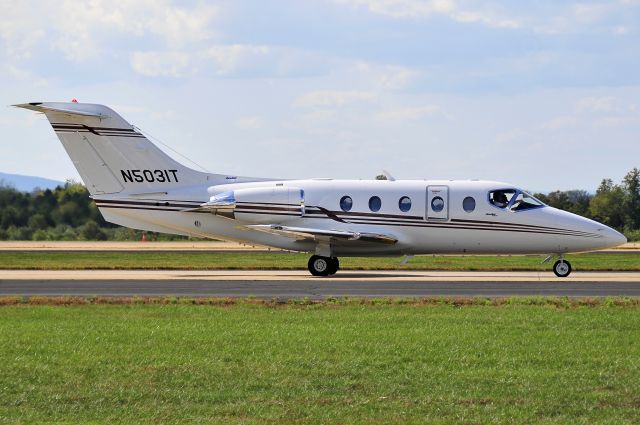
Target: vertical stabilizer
column 110, row 155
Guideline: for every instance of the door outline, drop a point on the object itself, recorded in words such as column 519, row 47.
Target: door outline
column 432, row 192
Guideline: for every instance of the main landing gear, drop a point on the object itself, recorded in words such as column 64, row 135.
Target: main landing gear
column 323, row 266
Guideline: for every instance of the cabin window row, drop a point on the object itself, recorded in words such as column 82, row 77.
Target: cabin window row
column 375, row 203
column 404, row 204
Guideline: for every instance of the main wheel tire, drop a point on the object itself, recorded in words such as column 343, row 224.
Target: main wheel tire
column 334, row 265
column 319, row 266
column 562, row 268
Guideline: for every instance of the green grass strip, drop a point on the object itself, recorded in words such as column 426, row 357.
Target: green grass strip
column 557, row 302
column 319, row 364
column 292, row 261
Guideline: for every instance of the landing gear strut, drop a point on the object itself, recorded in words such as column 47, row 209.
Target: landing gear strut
column 562, row 268
column 323, row 266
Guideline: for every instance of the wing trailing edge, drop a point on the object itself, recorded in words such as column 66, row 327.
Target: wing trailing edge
column 303, row 233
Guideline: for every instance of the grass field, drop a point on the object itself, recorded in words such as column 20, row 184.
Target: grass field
column 321, row 363
column 285, row 261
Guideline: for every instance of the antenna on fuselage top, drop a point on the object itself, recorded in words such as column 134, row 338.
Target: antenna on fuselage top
column 388, row 176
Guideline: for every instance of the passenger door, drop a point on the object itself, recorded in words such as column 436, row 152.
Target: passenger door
column 437, row 203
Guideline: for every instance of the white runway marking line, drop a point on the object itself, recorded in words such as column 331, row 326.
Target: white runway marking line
column 297, row 275
column 88, row 246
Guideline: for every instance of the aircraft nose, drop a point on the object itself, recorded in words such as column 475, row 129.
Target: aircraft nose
column 612, row 237
column 594, row 235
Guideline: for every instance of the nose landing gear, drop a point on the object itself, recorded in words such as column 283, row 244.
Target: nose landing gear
column 562, row 268
column 323, row 266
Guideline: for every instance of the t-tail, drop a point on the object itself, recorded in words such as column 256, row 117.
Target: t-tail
column 113, row 157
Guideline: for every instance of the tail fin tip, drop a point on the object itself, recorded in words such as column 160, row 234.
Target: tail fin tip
column 69, row 108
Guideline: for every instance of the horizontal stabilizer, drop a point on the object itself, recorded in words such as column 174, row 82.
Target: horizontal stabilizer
column 302, row 233
column 80, row 109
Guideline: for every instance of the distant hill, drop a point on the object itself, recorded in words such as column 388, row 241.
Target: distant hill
column 27, row 183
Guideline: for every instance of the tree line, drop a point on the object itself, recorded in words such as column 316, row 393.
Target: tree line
column 67, row 213
column 616, row 205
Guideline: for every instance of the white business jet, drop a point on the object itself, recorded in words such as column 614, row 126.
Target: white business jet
column 135, row 184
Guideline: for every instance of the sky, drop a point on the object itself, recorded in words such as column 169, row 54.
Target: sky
column 544, row 95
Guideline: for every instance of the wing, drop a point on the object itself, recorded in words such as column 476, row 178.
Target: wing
column 306, row 233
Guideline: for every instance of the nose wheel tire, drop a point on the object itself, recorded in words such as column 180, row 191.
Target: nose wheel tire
column 562, row 268
column 323, row 266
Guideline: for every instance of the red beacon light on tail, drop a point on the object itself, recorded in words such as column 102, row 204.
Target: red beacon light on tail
column 74, row 100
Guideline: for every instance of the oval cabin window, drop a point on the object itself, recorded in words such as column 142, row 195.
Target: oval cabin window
column 437, row 204
column 346, row 203
column 469, row 204
column 404, row 204
column 375, row 203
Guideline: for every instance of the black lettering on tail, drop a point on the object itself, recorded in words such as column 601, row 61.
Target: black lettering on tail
column 126, row 176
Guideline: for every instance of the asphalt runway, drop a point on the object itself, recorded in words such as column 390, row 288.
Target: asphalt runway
column 298, row 284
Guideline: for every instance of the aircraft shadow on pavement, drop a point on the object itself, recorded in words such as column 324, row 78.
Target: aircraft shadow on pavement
column 358, row 276
column 293, row 278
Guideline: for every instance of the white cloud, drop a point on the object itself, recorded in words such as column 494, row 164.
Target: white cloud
column 562, row 17
column 596, row 104
column 228, row 59
column 590, row 12
column 384, row 77
column 81, row 29
column 249, row 123
column 595, row 112
column 160, row 64
column 620, row 30
column 580, row 17
column 406, row 114
column 20, row 30
column 84, row 24
column 486, row 18
column 23, row 75
column 403, row 8
column 425, row 8
column 396, row 78
column 180, row 26
column 333, row 98
column 613, row 121
column 560, row 123
column 510, row 136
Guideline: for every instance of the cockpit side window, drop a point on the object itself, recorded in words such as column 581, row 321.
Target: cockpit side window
column 524, row 201
column 513, row 199
column 501, row 198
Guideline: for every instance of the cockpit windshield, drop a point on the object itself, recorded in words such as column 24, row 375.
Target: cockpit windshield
column 513, row 199
column 524, row 201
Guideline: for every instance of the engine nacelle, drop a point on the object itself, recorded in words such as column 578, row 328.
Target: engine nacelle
column 274, row 204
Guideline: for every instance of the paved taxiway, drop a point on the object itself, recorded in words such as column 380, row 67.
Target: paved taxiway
column 298, row 284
